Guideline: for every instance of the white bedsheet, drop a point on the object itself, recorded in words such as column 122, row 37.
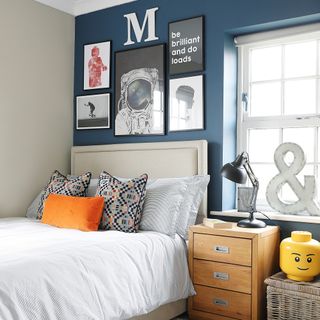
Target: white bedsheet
column 51, row 273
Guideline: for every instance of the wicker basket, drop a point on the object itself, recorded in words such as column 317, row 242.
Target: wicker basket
column 291, row 300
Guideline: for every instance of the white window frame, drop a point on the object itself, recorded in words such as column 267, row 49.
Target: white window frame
column 244, row 44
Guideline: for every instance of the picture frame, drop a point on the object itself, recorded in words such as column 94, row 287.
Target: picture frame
column 243, row 198
column 140, row 91
column 186, row 103
column 96, row 65
column 93, row 112
column 186, row 45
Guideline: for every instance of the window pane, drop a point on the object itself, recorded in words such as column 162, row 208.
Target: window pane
column 317, row 182
column 264, row 173
column 262, row 144
column 300, row 59
column 318, row 56
column 304, row 137
column 266, row 63
column 319, row 147
column 265, row 99
column 300, row 97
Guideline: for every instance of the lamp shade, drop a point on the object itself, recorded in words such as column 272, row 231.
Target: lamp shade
column 235, row 170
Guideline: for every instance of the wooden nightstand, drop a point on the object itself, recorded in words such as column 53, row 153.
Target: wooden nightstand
column 228, row 268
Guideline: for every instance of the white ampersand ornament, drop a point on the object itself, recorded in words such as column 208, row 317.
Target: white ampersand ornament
column 287, row 174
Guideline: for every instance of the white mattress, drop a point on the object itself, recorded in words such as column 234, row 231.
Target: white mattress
column 51, row 273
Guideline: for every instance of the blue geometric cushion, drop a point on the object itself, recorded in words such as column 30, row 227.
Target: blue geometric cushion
column 123, row 202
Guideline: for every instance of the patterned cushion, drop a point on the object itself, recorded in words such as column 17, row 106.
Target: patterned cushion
column 59, row 184
column 123, row 202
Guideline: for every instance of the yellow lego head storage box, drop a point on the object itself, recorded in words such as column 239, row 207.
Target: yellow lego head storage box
column 300, row 256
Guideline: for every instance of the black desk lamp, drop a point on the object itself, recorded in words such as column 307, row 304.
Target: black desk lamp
column 237, row 171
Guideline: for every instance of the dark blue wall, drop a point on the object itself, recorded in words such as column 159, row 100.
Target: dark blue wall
column 223, row 20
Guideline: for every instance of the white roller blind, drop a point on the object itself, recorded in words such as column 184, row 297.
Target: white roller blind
column 279, row 36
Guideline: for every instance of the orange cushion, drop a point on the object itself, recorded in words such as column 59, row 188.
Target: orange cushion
column 73, row 212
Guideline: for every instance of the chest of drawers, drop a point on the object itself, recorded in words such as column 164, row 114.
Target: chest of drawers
column 228, row 268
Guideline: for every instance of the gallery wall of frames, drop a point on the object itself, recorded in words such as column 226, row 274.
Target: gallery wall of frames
column 142, row 99
column 166, row 70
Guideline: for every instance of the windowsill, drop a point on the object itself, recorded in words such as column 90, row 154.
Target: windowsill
column 271, row 215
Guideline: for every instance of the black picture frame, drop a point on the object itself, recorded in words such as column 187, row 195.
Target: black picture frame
column 186, row 45
column 93, row 111
column 97, row 65
column 186, row 103
column 140, row 91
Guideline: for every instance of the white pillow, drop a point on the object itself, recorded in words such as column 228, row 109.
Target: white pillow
column 161, row 206
column 197, row 186
column 192, row 197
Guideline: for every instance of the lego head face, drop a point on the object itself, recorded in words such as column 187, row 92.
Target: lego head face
column 305, row 262
column 300, row 259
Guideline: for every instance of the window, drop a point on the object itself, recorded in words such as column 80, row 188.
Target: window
column 279, row 101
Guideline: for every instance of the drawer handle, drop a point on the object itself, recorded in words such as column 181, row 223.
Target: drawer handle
column 220, row 302
column 221, row 249
column 221, row 276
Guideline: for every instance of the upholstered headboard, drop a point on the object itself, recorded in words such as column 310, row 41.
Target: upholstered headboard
column 158, row 160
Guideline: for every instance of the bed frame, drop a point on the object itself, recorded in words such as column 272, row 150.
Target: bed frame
column 159, row 160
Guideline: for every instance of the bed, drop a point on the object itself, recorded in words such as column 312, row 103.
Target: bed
column 39, row 263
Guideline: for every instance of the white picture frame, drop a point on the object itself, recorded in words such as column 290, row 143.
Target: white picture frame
column 186, row 106
column 93, row 112
column 96, row 65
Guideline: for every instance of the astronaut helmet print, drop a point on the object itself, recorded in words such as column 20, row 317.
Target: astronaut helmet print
column 135, row 105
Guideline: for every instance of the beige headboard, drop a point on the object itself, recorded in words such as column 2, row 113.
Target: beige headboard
column 157, row 159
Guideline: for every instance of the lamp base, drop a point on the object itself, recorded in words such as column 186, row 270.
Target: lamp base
column 251, row 223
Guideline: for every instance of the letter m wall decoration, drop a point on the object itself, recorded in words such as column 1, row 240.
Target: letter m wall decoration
column 149, row 19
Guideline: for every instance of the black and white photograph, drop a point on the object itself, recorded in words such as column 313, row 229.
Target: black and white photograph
column 186, row 46
column 96, row 69
column 93, row 111
column 139, row 94
column 186, row 104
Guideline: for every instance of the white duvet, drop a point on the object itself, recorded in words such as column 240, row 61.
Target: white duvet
column 52, row 273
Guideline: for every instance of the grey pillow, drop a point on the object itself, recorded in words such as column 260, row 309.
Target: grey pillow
column 161, row 207
column 191, row 199
column 32, row 211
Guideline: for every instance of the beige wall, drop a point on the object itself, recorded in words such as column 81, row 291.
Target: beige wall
column 36, row 97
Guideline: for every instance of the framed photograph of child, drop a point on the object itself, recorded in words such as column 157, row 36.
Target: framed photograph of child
column 93, row 111
column 186, row 110
column 96, row 67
